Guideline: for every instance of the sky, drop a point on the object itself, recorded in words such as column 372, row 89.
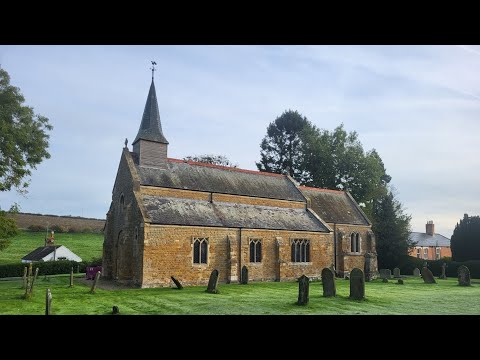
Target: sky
column 418, row 106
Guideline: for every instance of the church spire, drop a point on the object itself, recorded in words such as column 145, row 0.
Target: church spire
column 151, row 126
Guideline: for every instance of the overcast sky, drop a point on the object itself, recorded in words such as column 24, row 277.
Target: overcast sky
column 419, row 106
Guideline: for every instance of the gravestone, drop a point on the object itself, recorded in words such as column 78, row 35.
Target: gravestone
column 357, row 284
column 332, row 268
column 444, row 275
column 416, row 272
column 95, row 281
column 244, row 276
column 48, row 303
column 71, row 277
column 385, row 274
column 212, row 282
column 303, row 287
column 328, row 282
column 384, row 280
column 177, row 283
column 115, row 310
column 400, row 282
column 463, row 276
column 370, row 266
column 427, row 276
column 396, row 273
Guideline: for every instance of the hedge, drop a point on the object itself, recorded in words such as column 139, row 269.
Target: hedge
column 408, row 263
column 48, row 267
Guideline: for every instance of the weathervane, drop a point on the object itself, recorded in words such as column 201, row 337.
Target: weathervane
column 153, row 67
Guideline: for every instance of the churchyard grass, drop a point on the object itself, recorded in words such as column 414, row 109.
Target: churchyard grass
column 415, row 297
column 87, row 246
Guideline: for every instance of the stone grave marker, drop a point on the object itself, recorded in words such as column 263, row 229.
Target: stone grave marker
column 177, row 283
column 396, row 273
column 95, row 281
column 385, row 274
column 212, row 282
column 48, row 303
column 303, row 287
column 328, row 283
column 115, row 310
column 427, row 276
column 400, row 282
column 357, row 284
column 444, row 275
column 463, row 276
column 244, row 276
column 416, row 272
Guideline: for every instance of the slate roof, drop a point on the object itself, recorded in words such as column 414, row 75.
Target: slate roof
column 334, row 206
column 40, row 252
column 151, row 126
column 219, row 179
column 422, row 239
column 176, row 211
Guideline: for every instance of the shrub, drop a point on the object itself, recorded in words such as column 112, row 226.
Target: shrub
column 408, row 263
column 73, row 229
column 57, row 228
column 87, row 230
column 37, row 228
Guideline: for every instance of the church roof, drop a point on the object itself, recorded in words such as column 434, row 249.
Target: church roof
column 151, row 126
column 334, row 206
column 423, row 239
column 176, row 211
column 219, row 179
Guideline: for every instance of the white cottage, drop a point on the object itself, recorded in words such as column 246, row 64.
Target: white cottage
column 51, row 253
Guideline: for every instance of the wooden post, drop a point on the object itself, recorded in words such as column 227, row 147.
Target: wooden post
column 33, row 281
column 71, row 277
column 28, row 294
column 24, row 277
column 94, row 285
column 48, row 303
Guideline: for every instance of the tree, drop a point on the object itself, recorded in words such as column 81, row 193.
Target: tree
column 391, row 227
column 23, row 145
column 282, row 149
column 211, row 159
column 465, row 242
column 23, row 137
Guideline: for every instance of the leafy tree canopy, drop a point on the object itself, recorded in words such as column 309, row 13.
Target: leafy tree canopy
column 465, row 241
column 211, row 159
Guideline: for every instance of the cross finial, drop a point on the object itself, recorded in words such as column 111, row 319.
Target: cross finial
column 126, row 142
column 153, row 67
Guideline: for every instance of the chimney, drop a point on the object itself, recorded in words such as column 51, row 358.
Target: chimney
column 430, row 228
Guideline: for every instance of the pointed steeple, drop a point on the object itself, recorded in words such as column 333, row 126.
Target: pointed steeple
column 151, row 126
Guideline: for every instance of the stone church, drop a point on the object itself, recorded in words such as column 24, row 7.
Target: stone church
column 171, row 217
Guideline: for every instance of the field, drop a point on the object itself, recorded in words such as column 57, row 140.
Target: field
column 413, row 298
column 87, row 246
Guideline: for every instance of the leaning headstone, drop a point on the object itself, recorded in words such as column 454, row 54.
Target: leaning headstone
column 212, row 282
column 115, row 310
column 48, row 303
column 71, row 277
column 357, row 284
column 463, row 276
column 33, row 280
column 328, row 282
column 95, row 281
column 444, row 275
column 303, row 287
column 396, row 273
column 177, row 283
column 416, row 272
column 385, row 274
column 384, row 280
column 25, row 269
column 427, row 276
column 400, row 282
column 244, row 276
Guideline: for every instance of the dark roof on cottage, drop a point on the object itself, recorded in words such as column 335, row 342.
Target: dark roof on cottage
column 219, row 179
column 423, row 239
column 176, row 211
column 40, row 252
column 334, row 206
column 151, row 126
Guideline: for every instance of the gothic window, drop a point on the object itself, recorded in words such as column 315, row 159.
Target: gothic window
column 200, row 250
column 355, row 243
column 255, row 250
column 122, row 201
column 300, row 250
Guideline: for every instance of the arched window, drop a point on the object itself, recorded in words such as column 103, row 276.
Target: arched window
column 353, row 244
column 300, row 250
column 200, row 250
column 357, row 242
column 255, row 250
column 122, row 201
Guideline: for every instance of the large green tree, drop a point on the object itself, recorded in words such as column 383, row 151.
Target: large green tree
column 23, row 145
column 465, row 242
column 211, row 159
column 391, row 226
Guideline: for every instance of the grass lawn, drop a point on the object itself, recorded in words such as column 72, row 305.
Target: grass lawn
column 415, row 297
column 87, row 246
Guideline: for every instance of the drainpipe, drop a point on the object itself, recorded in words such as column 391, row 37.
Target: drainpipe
column 239, row 268
column 335, row 245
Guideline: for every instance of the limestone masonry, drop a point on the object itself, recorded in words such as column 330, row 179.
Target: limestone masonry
column 171, row 217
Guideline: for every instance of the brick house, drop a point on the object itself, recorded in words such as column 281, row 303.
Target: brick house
column 430, row 246
column 170, row 217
